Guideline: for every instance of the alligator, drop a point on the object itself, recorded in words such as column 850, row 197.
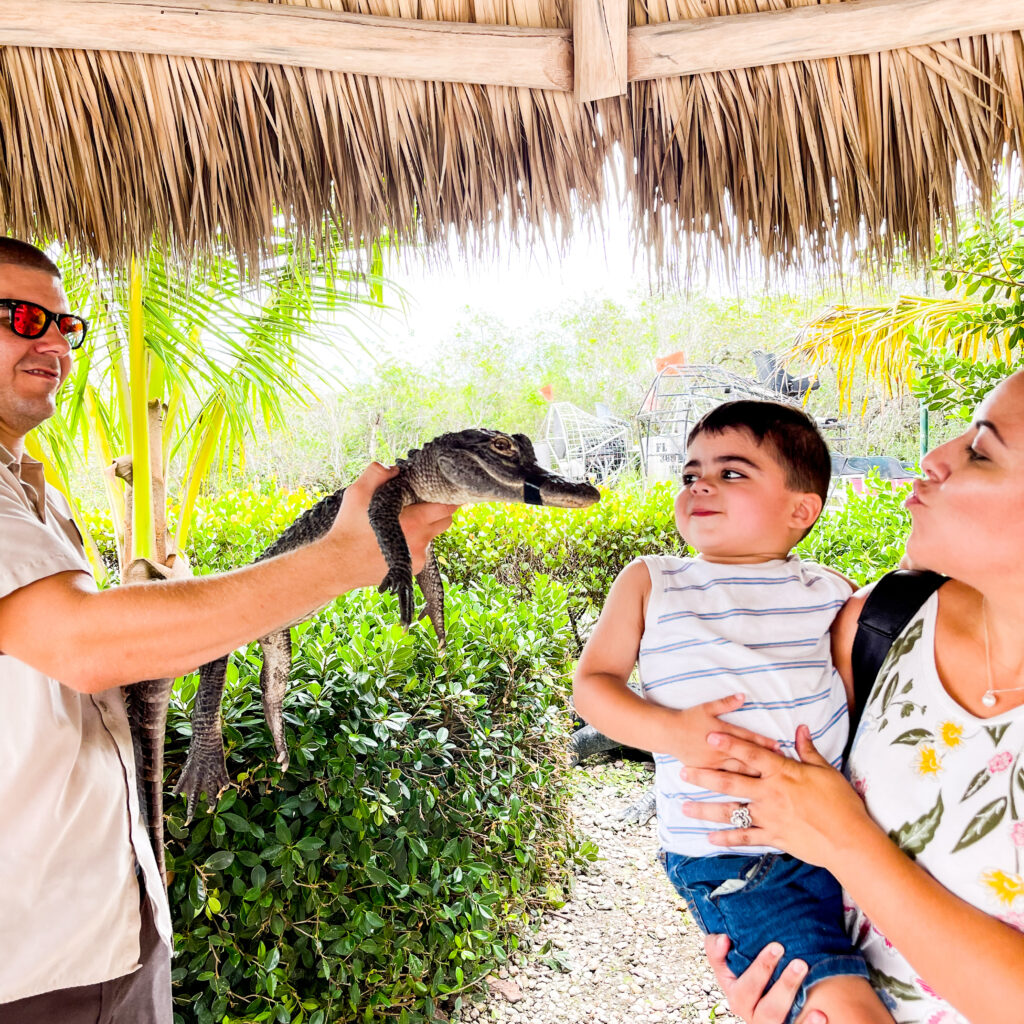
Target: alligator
column 459, row 468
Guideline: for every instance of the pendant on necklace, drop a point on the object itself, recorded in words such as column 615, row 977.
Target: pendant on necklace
column 989, row 699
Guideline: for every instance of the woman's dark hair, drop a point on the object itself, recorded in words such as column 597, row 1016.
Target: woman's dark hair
column 15, row 252
column 791, row 434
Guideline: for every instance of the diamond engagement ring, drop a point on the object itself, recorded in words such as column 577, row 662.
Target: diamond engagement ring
column 740, row 818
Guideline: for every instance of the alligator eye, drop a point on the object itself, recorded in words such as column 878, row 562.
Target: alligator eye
column 503, row 445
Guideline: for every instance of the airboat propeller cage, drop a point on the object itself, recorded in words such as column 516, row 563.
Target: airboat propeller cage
column 678, row 397
column 581, row 445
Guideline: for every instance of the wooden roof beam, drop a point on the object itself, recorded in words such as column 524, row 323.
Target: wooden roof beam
column 536, row 58
column 735, row 41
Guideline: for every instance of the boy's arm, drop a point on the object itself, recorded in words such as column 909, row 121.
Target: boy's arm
column 602, row 696
column 600, row 691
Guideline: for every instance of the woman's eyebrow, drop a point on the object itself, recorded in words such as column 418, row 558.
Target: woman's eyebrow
column 992, row 427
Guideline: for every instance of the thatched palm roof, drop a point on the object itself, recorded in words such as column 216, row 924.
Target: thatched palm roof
column 106, row 146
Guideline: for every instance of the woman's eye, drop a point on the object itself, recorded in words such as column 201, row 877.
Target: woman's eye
column 688, row 479
column 731, row 474
column 973, row 455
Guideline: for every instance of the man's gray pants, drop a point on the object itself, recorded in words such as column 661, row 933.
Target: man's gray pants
column 140, row 998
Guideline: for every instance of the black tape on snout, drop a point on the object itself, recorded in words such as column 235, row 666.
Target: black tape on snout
column 531, row 494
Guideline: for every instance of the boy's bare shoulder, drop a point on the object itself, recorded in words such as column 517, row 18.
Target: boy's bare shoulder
column 635, row 576
column 845, row 579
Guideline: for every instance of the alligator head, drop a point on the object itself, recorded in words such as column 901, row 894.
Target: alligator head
column 487, row 465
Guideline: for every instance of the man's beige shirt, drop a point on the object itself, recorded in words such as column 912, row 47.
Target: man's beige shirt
column 70, row 828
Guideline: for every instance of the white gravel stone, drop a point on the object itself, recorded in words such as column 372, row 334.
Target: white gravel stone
column 632, row 952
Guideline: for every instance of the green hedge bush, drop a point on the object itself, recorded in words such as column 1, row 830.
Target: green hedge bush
column 423, row 815
column 424, row 812
column 584, row 549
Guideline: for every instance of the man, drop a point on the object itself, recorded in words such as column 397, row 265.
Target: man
column 85, row 932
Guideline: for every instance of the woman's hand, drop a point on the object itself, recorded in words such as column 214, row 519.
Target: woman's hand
column 746, row 994
column 804, row 807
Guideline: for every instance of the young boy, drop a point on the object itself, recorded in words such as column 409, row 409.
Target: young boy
column 744, row 615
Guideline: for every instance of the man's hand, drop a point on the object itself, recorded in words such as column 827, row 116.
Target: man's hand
column 695, row 725
column 354, row 541
column 746, row 994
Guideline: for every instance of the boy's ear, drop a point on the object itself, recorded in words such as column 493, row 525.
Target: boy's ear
column 806, row 510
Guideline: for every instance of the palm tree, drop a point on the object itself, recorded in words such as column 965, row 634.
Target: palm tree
column 184, row 363
column 980, row 319
column 181, row 364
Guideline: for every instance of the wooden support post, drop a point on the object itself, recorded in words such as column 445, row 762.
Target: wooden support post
column 600, row 48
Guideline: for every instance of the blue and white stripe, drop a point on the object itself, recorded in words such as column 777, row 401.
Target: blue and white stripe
column 761, row 630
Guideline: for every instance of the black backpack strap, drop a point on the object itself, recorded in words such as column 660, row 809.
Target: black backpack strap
column 894, row 600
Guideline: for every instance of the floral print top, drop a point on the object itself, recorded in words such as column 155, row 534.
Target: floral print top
column 949, row 788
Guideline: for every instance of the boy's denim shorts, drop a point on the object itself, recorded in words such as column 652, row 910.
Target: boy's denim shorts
column 769, row 898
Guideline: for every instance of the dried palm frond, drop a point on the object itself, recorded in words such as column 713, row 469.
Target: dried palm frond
column 804, row 161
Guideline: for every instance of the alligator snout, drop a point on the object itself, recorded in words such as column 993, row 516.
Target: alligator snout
column 543, row 488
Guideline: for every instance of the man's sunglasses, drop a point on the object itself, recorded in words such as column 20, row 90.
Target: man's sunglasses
column 31, row 321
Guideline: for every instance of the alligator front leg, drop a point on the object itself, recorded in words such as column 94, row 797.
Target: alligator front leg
column 205, row 770
column 430, row 583
column 385, row 507
column 146, row 704
column 277, row 666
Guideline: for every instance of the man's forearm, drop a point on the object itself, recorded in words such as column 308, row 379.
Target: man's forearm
column 91, row 641
column 154, row 630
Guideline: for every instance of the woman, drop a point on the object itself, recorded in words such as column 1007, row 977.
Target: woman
column 928, row 842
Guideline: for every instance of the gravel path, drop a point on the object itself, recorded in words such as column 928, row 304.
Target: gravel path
column 624, row 950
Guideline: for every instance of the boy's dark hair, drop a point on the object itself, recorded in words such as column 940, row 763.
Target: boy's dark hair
column 15, row 252
column 791, row 434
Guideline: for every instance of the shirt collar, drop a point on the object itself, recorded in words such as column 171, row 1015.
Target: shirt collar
column 29, row 473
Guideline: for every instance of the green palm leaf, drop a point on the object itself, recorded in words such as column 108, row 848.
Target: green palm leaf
column 221, row 345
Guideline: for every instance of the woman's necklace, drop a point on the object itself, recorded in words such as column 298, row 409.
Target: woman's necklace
column 988, row 698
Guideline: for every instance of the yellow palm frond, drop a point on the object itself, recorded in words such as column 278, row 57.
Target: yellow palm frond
column 881, row 340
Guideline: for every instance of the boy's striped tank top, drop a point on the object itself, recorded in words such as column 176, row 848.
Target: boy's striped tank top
column 763, row 630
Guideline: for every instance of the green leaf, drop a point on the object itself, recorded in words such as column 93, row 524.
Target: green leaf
column 913, row 736
column 914, row 836
column 982, row 823
column 981, row 779
column 376, row 875
column 996, row 732
column 220, row 860
column 887, row 983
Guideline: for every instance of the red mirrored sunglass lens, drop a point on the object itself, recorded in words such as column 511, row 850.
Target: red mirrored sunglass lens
column 28, row 320
column 72, row 327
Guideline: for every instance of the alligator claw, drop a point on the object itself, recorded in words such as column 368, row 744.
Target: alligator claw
column 642, row 811
column 201, row 777
column 400, row 583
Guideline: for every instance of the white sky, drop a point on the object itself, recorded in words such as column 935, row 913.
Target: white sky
column 515, row 287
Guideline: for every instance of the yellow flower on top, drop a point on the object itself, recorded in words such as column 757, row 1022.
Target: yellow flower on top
column 1006, row 887
column 929, row 762
column 951, row 732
